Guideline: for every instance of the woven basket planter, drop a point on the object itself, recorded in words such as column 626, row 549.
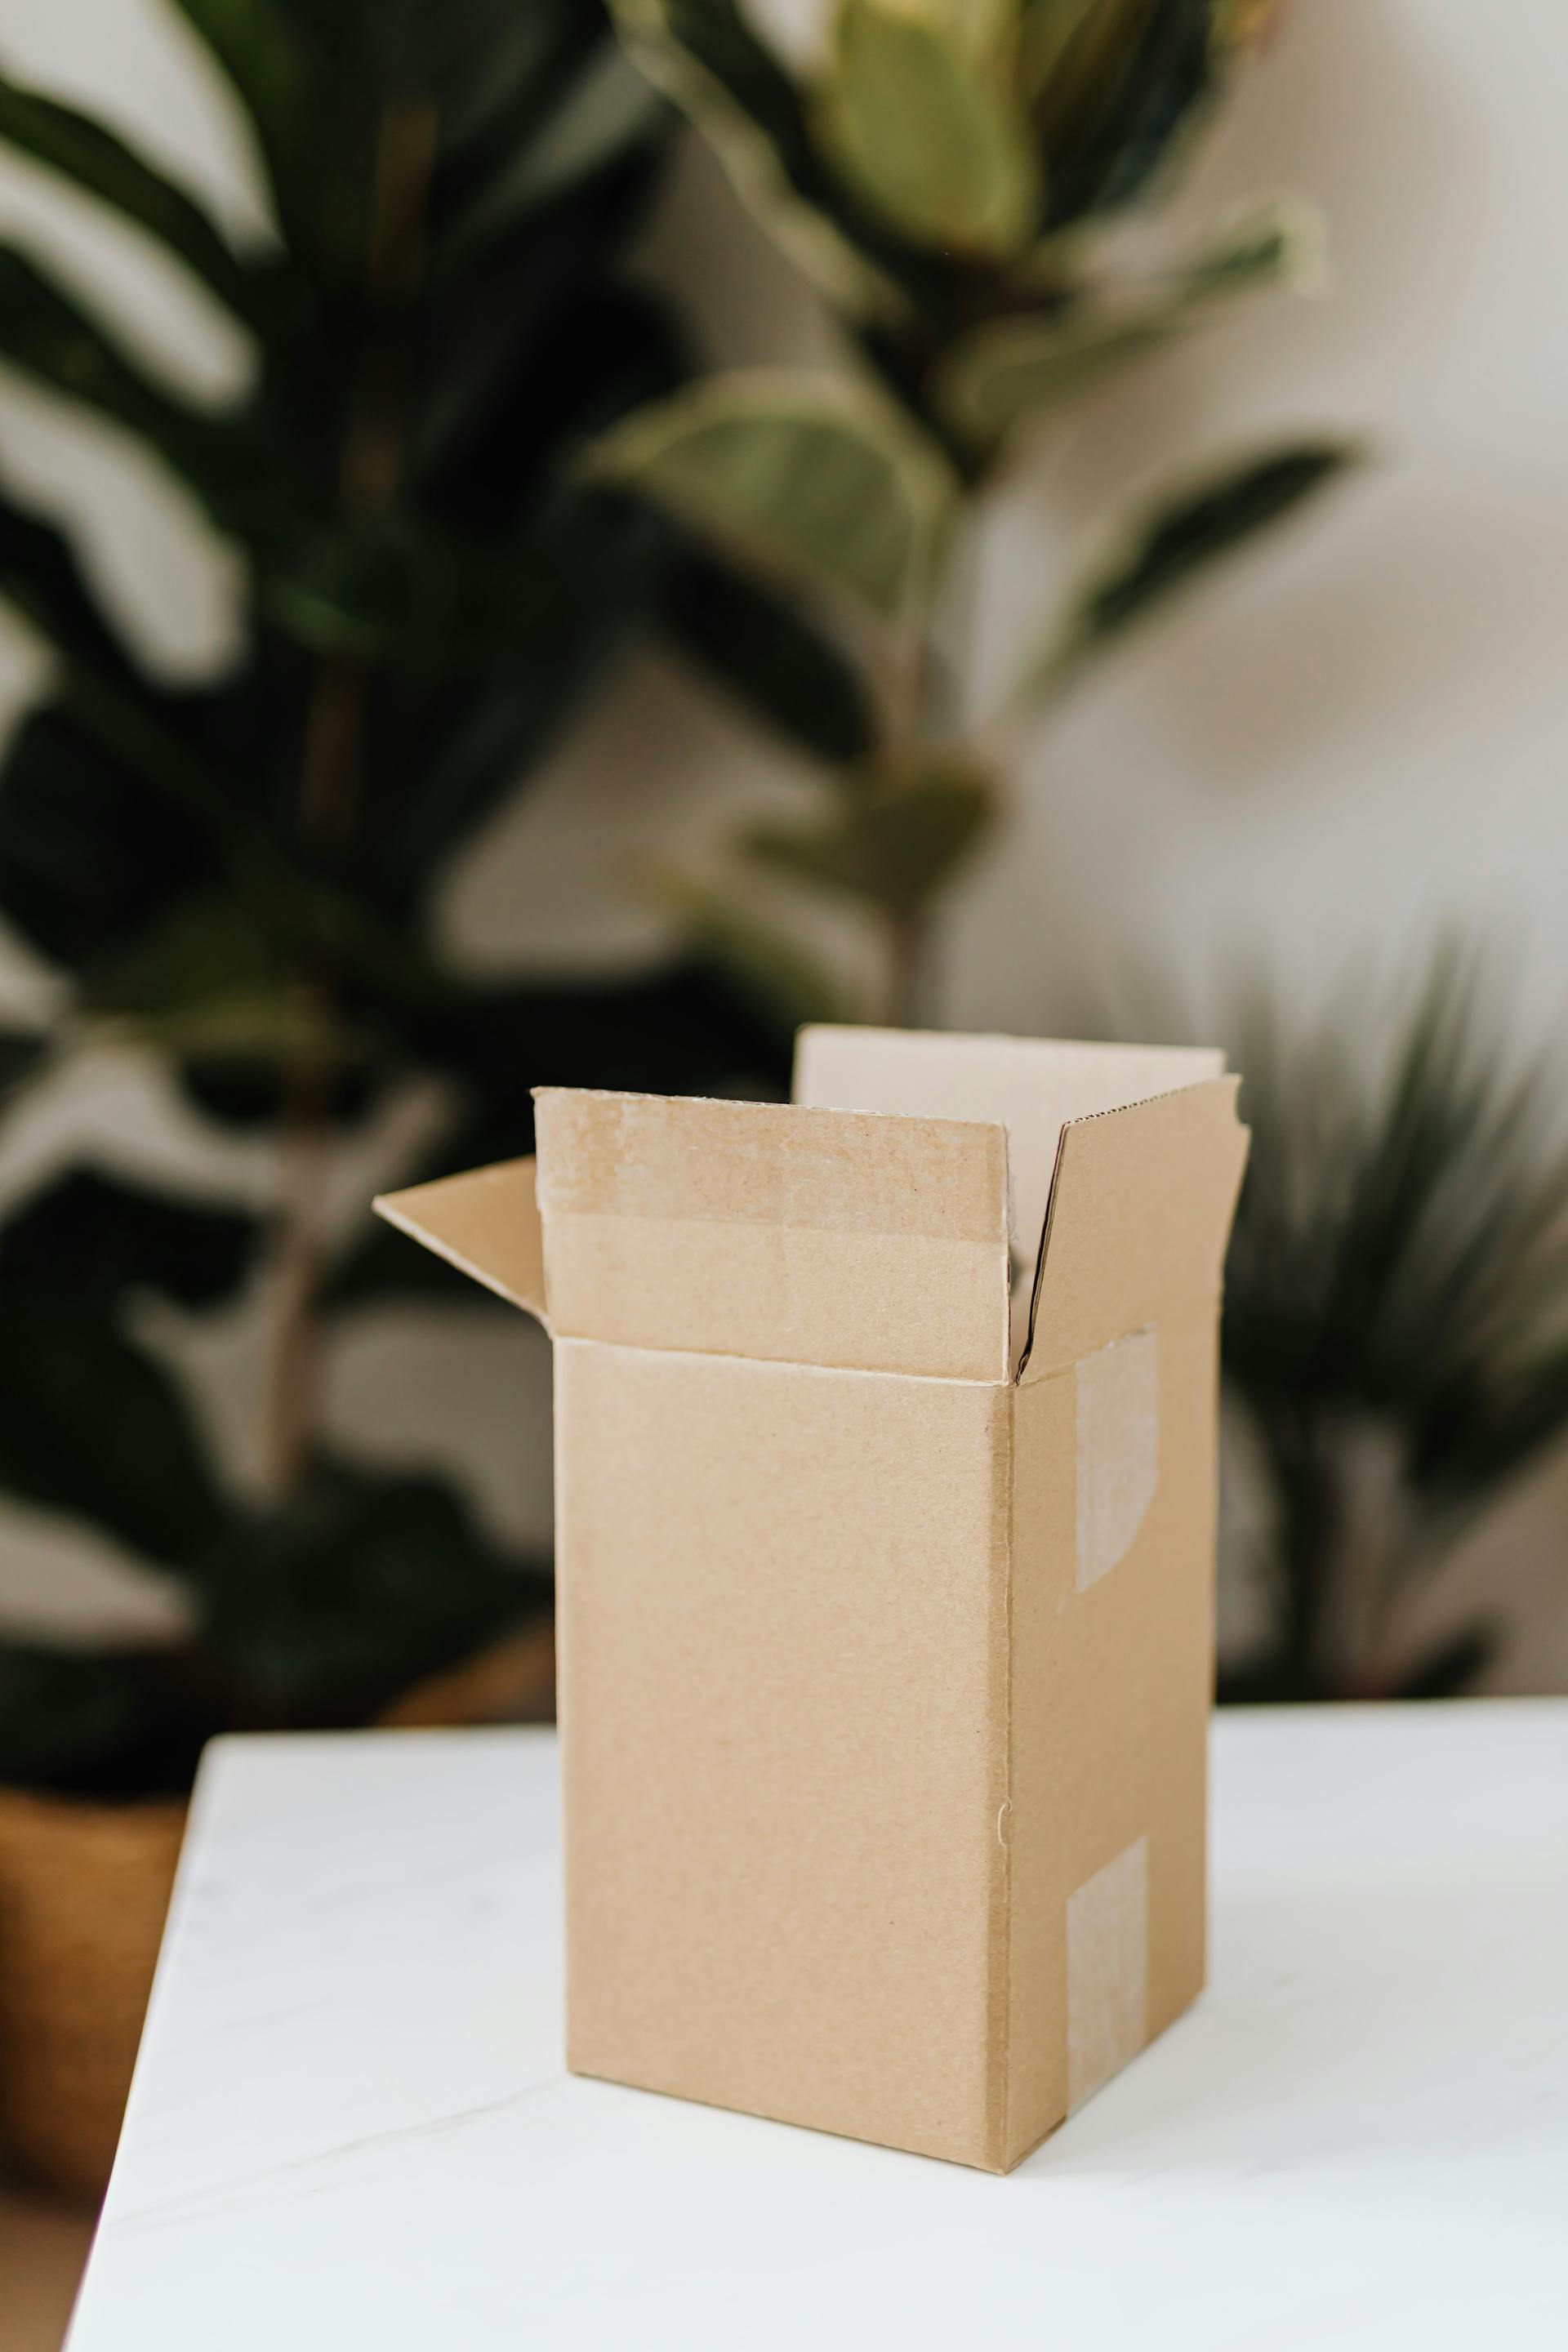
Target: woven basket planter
column 84, row 1889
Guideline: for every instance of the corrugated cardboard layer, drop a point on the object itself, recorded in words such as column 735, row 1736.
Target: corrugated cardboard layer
column 757, row 1230
column 782, row 1616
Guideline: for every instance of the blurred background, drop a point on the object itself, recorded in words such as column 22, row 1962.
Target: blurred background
column 536, row 554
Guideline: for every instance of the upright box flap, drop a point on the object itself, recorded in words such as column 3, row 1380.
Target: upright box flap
column 1140, row 1215
column 822, row 1237
column 1030, row 1086
column 485, row 1223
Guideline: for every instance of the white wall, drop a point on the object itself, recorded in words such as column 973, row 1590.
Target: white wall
column 1351, row 736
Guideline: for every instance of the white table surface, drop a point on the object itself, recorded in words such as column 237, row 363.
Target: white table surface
column 350, row 2127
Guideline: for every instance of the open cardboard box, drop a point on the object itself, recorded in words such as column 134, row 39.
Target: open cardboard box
column 885, row 1577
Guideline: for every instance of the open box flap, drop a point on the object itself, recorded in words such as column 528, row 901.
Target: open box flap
column 1032, row 1086
column 756, row 1229
column 485, row 1223
column 1140, row 1214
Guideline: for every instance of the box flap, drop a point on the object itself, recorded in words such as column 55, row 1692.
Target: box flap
column 825, row 1237
column 486, row 1223
column 1033, row 1086
column 1030, row 1086
column 1140, row 1214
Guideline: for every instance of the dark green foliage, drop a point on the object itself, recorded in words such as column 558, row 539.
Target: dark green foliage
column 91, row 1421
column 888, row 839
column 1396, row 1294
column 1107, row 142
column 244, row 876
column 1159, row 560
column 941, row 176
column 770, row 655
column 322, row 1611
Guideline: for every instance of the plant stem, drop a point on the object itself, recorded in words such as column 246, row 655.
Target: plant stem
column 909, row 927
column 303, row 1158
column 908, row 940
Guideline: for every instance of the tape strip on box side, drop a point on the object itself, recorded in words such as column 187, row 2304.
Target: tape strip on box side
column 1107, row 1971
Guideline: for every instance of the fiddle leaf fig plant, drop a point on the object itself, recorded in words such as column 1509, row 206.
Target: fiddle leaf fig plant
column 967, row 185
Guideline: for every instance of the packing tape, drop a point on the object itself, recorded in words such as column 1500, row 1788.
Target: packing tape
column 1118, row 1449
column 1107, row 1971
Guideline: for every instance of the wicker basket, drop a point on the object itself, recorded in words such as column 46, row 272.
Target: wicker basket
column 83, row 1891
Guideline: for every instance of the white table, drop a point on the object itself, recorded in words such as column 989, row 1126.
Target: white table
column 350, row 2127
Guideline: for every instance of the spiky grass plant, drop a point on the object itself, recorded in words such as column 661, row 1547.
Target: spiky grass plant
column 1396, row 1321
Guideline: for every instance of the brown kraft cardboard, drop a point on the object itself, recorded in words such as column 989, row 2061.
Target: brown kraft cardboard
column 885, row 1443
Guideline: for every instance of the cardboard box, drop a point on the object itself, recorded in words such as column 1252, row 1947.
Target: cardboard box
column 884, row 1571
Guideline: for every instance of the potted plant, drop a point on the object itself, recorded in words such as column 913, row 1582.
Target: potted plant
column 239, row 878
column 971, row 186
column 1396, row 1327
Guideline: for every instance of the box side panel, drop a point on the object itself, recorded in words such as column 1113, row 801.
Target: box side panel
column 782, row 1596
column 1113, row 1670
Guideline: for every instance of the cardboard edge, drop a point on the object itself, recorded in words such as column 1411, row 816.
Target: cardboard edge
column 1229, row 1080
column 424, row 1213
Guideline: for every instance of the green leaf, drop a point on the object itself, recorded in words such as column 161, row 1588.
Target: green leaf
column 321, row 1610
column 927, row 135
column 267, row 67
column 1168, row 546
column 117, row 798
column 789, row 987
column 705, row 56
column 211, row 984
column 815, row 478
column 92, row 1238
column 42, row 579
column 784, row 668
column 899, row 837
column 101, row 165
column 1071, row 43
column 1012, row 369
column 983, row 31
column 1117, row 83
column 90, row 1423
column 50, row 338
column 88, row 856
column 609, row 111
